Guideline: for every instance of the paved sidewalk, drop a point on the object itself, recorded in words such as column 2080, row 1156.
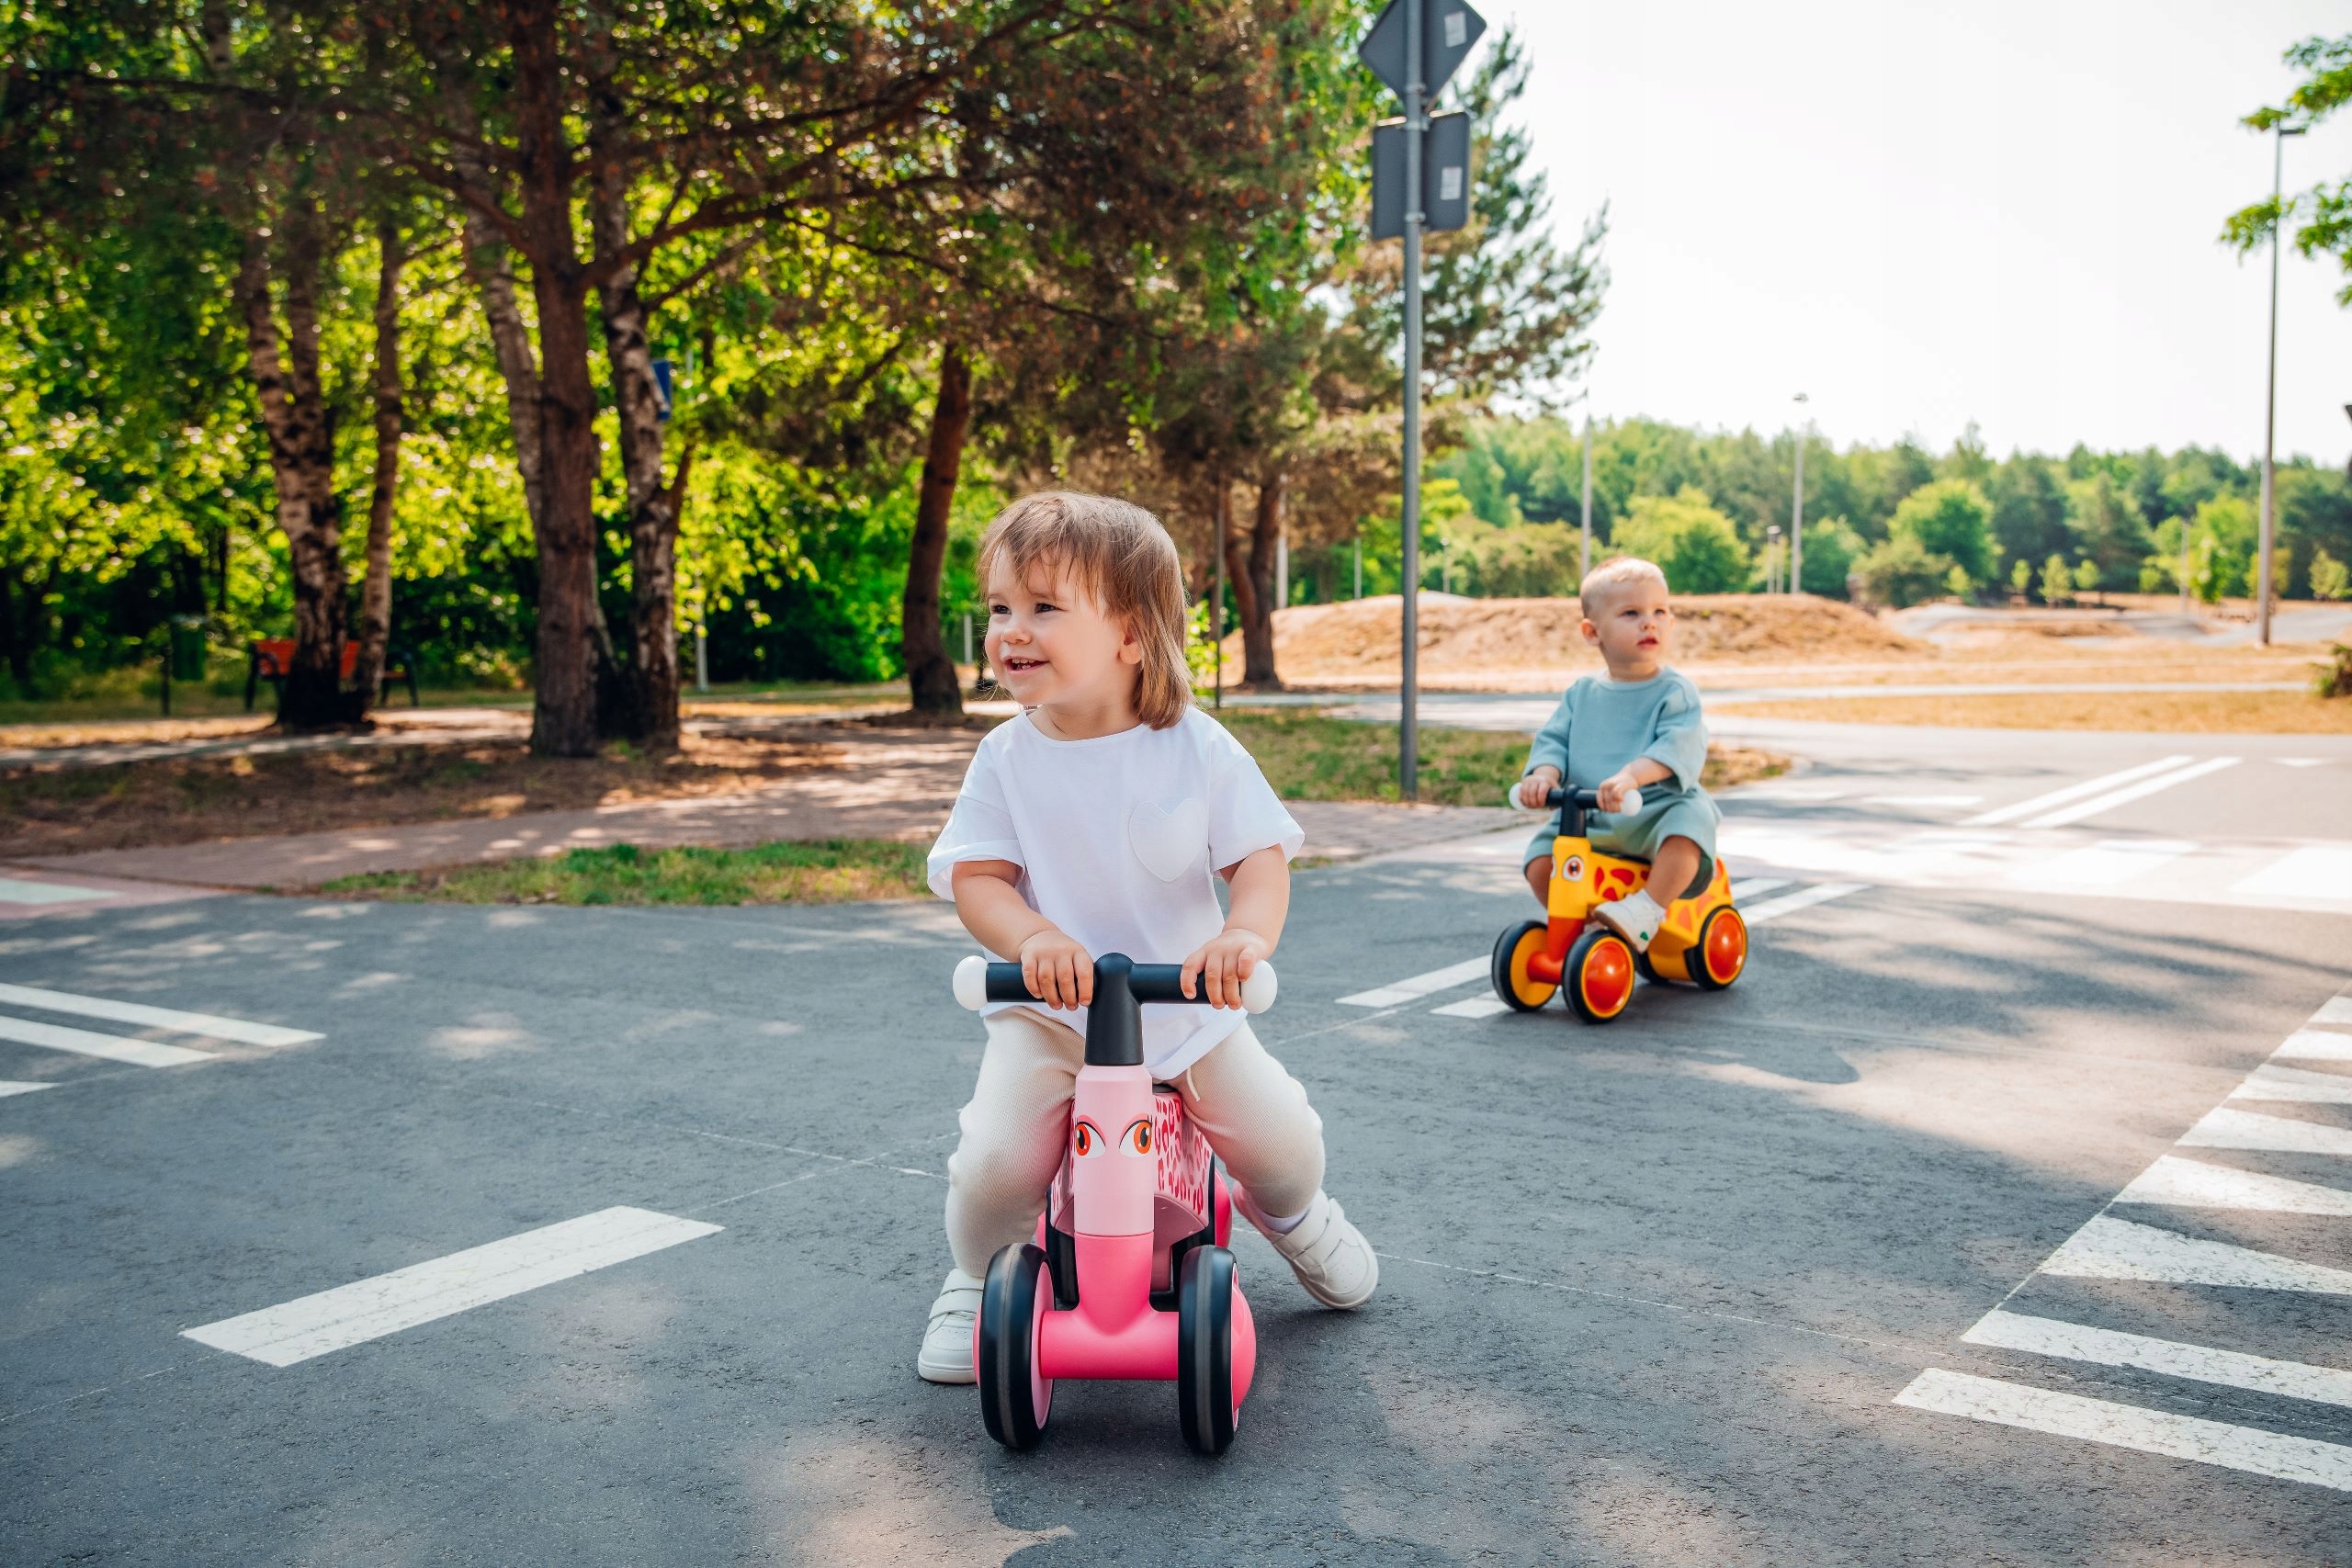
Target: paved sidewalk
column 896, row 784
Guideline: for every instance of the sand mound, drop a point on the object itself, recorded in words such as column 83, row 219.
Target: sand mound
column 1464, row 635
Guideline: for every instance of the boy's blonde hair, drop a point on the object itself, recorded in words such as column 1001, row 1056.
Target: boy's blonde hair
column 1119, row 555
column 1608, row 574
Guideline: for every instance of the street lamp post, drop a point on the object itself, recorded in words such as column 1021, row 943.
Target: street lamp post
column 1796, row 515
column 1772, row 558
column 2270, row 407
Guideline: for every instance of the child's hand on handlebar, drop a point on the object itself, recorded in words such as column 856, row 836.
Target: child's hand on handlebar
column 1610, row 791
column 1217, row 966
column 1057, row 970
column 1537, row 785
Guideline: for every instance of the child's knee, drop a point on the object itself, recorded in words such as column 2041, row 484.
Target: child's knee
column 1000, row 1161
column 1539, row 878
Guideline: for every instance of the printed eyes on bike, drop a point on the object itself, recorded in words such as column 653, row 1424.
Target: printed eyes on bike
column 1138, row 1140
column 1085, row 1140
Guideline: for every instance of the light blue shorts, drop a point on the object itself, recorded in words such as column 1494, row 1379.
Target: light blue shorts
column 1688, row 814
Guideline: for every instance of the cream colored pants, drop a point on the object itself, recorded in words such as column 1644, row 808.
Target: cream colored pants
column 1254, row 1112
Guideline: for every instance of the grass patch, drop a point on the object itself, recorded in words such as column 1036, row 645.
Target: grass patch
column 1312, row 757
column 2183, row 713
column 834, row 871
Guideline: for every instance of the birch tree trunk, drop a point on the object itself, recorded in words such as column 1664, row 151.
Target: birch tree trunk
column 922, row 647
column 302, row 460
column 375, row 587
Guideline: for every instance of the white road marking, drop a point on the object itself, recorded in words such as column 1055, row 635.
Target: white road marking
column 369, row 1309
column 1757, row 886
column 2079, row 1342
column 2110, row 862
column 1473, row 1007
column 2301, row 761
column 2072, row 792
column 2269, row 1082
column 8, row 1088
column 2336, row 1009
column 1792, row 792
column 2130, row 1426
column 2225, row 1129
column 109, row 1047
column 1805, row 898
column 2129, row 792
column 1418, row 985
column 1921, row 799
column 2193, row 1184
column 2312, row 871
column 117, row 1011
column 2316, row 1045
column 2109, row 1248
column 14, row 891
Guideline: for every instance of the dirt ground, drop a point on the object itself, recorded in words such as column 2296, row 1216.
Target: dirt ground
column 1730, row 641
column 48, row 811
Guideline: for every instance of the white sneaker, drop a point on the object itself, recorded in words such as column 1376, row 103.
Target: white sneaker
column 1329, row 1255
column 947, row 1355
column 1635, row 917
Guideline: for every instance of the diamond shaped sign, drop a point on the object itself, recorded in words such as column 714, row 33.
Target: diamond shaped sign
column 1448, row 30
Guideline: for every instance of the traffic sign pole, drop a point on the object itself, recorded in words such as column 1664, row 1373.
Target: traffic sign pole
column 1409, row 781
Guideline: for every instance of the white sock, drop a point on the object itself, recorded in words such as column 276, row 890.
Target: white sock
column 1286, row 1223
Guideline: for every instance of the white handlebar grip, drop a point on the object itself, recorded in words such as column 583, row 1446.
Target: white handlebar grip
column 1258, row 991
column 972, row 983
column 1510, row 798
column 1631, row 804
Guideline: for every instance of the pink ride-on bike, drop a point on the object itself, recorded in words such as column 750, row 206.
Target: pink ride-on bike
column 1129, row 1276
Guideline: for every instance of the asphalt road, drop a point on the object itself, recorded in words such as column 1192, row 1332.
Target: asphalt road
column 1691, row 1289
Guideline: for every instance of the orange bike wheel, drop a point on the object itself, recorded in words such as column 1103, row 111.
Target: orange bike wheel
column 1600, row 975
column 1721, row 952
column 1513, row 984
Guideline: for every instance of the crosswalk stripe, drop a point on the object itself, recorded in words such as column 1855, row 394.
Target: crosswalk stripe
column 2202, row 1363
column 2223, row 1128
column 2316, row 1045
column 2127, row 793
column 369, row 1309
column 16, row 890
column 2336, row 1009
column 2314, row 870
column 2072, row 792
column 2110, row 862
column 1757, row 886
column 2193, row 1184
column 1473, row 1007
column 8, row 1088
column 2109, row 1248
column 2270, row 1082
column 108, row 1047
column 2130, row 1426
column 1921, row 799
column 1805, row 898
column 1418, row 985
column 117, row 1012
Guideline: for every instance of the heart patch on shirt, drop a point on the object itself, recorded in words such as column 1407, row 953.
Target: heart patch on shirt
column 1170, row 843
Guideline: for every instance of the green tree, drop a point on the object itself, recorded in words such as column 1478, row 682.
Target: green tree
column 2107, row 523
column 1831, row 549
column 2330, row 578
column 2324, row 211
column 2020, row 577
column 1696, row 545
column 1900, row 571
column 2057, row 582
column 1949, row 518
column 2087, row 577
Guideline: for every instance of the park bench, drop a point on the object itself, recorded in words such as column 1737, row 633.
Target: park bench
column 270, row 657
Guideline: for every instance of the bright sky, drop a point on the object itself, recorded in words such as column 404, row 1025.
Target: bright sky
column 1925, row 214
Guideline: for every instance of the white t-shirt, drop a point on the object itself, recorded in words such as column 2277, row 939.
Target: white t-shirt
column 1119, row 839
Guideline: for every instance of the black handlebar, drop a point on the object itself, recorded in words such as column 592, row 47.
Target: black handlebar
column 1573, row 803
column 1114, row 1018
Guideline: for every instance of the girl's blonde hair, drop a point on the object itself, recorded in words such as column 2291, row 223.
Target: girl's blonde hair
column 1121, row 557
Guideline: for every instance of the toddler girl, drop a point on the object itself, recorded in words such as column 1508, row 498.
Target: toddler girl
column 1093, row 823
column 1636, row 729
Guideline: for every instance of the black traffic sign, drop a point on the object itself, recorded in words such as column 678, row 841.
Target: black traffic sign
column 1448, row 30
column 1445, row 175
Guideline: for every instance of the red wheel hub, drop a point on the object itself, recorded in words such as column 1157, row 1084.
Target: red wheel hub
column 1726, row 952
column 1607, row 978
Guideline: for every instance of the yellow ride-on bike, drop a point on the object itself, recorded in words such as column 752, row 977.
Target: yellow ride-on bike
column 1701, row 938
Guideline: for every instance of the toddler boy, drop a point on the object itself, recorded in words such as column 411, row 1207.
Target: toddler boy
column 1635, row 729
